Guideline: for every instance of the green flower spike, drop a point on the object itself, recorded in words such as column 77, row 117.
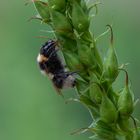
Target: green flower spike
column 111, row 112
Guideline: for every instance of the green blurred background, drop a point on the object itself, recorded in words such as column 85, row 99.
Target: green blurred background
column 29, row 107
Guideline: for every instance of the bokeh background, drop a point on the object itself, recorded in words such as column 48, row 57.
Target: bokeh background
column 29, row 107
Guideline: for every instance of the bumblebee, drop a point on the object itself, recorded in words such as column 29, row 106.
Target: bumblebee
column 50, row 64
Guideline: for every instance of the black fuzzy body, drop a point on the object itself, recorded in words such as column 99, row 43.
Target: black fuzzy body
column 51, row 64
column 54, row 65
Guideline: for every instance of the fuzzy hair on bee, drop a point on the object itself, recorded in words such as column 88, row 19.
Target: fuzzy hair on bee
column 50, row 64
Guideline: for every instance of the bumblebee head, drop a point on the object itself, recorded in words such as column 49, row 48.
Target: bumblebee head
column 48, row 48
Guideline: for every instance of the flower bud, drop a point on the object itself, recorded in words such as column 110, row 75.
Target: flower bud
column 73, row 62
column 61, row 24
column 92, row 106
column 81, row 85
column 108, row 111
column 125, row 101
column 95, row 93
column 69, row 44
column 79, row 18
column 87, row 55
column 94, row 90
column 43, row 10
column 137, row 136
column 124, row 124
column 104, row 131
column 87, row 37
column 110, row 71
column 84, row 7
column 58, row 5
